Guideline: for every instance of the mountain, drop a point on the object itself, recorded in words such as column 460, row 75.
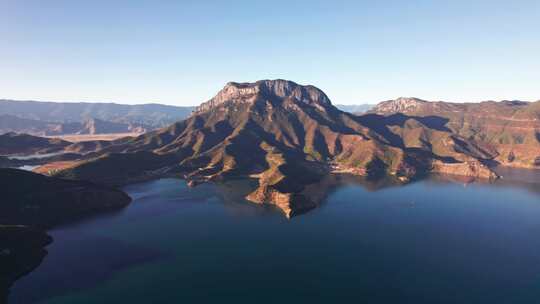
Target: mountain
column 13, row 143
column 355, row 109
column 285, row 136
column 511, row 128
column 150, row 116
column 404, row 105
column 10, row 123
column 98, row 126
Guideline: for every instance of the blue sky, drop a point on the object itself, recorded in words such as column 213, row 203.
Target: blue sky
column 183, row 52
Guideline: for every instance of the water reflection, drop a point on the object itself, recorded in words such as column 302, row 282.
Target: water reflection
column 233, row 192
column 475, row 240
column 510, row 178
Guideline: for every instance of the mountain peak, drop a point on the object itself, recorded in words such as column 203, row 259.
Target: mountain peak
column 277, row 89
column 409, row 99
column 401, row 104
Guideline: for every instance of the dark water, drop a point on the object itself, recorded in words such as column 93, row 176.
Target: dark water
column 426, row 242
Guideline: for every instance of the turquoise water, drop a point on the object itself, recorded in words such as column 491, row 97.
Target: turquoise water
column 426, row 242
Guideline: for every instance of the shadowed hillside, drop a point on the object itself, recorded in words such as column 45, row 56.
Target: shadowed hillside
column 31, row 202
column 34, row 199
column 13, row 143
column 22, row 249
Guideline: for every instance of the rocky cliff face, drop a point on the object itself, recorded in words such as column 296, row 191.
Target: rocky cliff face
column 270, row 89
column 399, row 105
column 284, row 135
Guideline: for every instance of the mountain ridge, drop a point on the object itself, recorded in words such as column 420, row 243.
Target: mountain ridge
column 65, row 114
column 511, row 127
column 48, row 118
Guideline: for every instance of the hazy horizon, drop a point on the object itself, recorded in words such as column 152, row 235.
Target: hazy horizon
column 182, row 53
column 82, row 100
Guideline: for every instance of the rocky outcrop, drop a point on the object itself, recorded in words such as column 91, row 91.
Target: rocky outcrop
column 290, row 204
column 472, row 169
column 399, row 105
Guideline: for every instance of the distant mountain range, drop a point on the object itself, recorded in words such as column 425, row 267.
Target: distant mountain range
column 13, row 143
column 355, row 108
column 10, row 123
column 60, row 118
column 511, row 128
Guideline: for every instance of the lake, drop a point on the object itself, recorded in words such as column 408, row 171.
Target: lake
column 431, row 241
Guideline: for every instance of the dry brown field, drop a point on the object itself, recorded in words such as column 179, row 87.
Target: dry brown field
column 89, row 137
